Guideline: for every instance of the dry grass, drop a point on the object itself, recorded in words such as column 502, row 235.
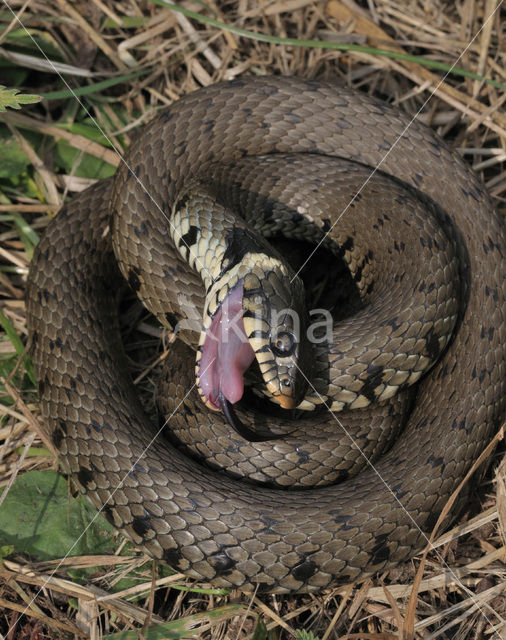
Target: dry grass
column 459, row 594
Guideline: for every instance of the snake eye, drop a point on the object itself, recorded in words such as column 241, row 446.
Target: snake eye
column 283, row 344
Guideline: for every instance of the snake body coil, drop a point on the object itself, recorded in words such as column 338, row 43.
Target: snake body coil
column 204, row 523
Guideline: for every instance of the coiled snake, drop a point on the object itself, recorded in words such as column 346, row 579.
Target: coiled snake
column 201, row 521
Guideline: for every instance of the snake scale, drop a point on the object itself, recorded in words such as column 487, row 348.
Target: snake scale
column 200, row 521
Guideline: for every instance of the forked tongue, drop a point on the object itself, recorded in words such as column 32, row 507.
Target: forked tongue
column 226, row 354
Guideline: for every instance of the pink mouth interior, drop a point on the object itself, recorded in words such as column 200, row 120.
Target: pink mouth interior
column 226, row 352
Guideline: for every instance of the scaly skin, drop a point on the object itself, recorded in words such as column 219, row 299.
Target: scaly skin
column 202, row 523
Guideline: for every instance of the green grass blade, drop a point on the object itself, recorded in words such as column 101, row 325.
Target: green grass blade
column 338, row 46
column 92, row 88
column 17, row 344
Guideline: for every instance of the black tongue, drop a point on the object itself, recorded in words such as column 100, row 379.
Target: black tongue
column 239, row 427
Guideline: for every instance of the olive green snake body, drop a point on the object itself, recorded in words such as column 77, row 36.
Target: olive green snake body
column 201, row 522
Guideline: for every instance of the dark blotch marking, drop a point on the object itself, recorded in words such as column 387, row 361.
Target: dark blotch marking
column 138, row 467
column 133, row 279
column 258, row 333
column 250, row 314
column 304, row 456
column 165, row 116
column 492, row 292
column 304, row 570
column 399, row 492
column 432, row 345
column 189, row 238
column 221, row 563
column 142, row 230
column 239, row 243
column 141, row 525
column 180, row 149
column 268, row 521
column 263, row 587
column 430, row 522
column 58, row 434
column 472, row 192
column 268, row 210
column 343, row 520
column 347, row 245
column 375, row 374
column 435, row 462
column 172, row 557
column 85, row 477
column 182, row 202
column 380, row 551
column 326, row 225
column 171, row 319
column 107, row 512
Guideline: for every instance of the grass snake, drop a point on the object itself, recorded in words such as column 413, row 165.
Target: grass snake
column 200, row 520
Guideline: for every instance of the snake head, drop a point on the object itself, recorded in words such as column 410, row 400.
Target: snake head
column 275, row 324
column 257, row 320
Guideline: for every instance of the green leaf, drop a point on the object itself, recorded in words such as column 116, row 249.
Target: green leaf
column 260, row 632
column 35, row 452
column 37, row 517
column 13, row 160
column 5, row 551
column 12, row 98
column 88, row 129
column 301, row 634
column 81, row 165
column 35, row 41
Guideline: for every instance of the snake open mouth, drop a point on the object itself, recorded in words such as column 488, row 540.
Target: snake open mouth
column 226, row 353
